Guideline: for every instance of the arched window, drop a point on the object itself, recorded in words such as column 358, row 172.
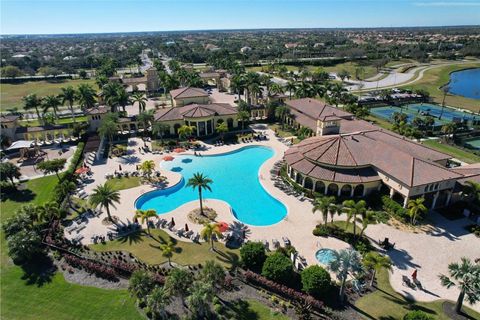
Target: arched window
column 332, row 189
column 299, row 178
column 320, row 187
column 230, row 123
column 176, row 127
column 358, row 191
column 346, row 190
column 308, row 184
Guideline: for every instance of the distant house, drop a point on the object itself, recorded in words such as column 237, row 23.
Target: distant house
column 188, row 95
column 291, row 45
column 211, row 47
column 245, row 49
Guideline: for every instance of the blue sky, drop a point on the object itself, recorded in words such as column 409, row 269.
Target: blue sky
column 72, row 16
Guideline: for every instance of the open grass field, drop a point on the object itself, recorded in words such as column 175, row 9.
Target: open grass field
column 458, row 153
column 433, row 79
column 148, row 250
column 11, row 94
column 124, row 183
column 385, row 303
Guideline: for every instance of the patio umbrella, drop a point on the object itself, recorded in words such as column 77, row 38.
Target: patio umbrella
column 168, row 158
column 82, row 170
column 120, row 167
column 414, row 275
column 222, row 226
column 178, row 150
column 186, row 227
column 172, row 222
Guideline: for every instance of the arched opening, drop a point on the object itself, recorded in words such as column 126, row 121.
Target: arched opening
column 299, row 178
column 176, row 127
column 308, row 184
column 230, row 123
column 346, row 190
column 320, row 187
column 358, row 191
column 332, row 189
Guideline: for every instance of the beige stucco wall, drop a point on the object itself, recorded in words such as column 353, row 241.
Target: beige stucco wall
column 186, row 101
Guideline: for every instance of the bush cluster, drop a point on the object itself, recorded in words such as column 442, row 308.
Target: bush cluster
column 361, row 244
column 417, row 315
column 253, row 255
column 98, row 269
column 394, row 208
column 278, row 267
column 316, row 281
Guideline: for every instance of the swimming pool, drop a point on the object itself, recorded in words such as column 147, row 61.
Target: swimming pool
column 324, row 256
column 235, row 180
column 422, row 110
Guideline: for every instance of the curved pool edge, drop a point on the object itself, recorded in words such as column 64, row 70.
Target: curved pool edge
column 273, row 159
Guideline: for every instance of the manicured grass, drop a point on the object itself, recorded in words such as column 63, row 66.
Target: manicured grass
column 380, row 122
column 397, row 62
column 124, row 183
column 458, row 153
column 11, row 94
column 258, row 311
column 283, row 132
column 32, row 123
column 36, row 191
column 435, row 78
column 385, row 303
column 148, row 250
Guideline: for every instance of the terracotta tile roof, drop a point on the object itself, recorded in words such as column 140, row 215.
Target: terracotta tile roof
column 188, row 92
column 8, row 118
column 98, row 110
column 316, row 109
column 194, row 111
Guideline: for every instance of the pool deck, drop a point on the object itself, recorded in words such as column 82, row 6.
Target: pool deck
column 428, row 251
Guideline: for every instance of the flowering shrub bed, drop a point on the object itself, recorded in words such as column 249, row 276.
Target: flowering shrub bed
column 98, row 269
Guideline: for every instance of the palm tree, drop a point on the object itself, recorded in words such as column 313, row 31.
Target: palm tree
column 208, row 231
column 367, row 219
column 157, row 301
column 323, row 204
column 291, row 87
column 445, row 90
column 122, row 98
column 334, row 209
column 466, row 277
column 281, row 112
column 51, row 102
column 243, row 116
column 109, row 94
column 254, row 90
column 147, row 167
column 69, row 95
column 178, row 282
column 167, row 251
column 139, row 98
column 65, row 189
column 354, row 210
column 416, row 208
column 275, row 88
column 145, row 216
column 108, row 129
column 86, row 96
column 48, row 212
column 31, row 101
column 375, row 261
column 145, row 118
column 201, row 295
column 159, row 129
column 105, row 196
column 200, row 182
column 449, row 129
column 471, row 191
column 185, row 131
column 344, row 263
column 221, row 129
column 141, row 283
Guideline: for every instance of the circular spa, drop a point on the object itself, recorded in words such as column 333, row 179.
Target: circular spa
column 235, row 178
column 324, row 256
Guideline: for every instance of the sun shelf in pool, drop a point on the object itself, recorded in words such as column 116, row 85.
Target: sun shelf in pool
column 235, row 178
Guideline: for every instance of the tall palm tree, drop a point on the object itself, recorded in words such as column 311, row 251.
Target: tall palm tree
column 466, row 277
column 334, row 209
column 157, row 301
column 122, row 98
column 51, row 102
column 275, row 88
column 200, row 182
column 108, row 129
column 145, row 215
column 109, row 94
column 368, row 219
column 86, row 96
column 167, row 251
column 147, row 167
column 221, row 129
column 69, row 96
column 254, row 90
column 354, row 211
column 416, row 208
column 375, row 261
column 291, row 87
column 185, row 131
column 209, row 230
column 138, row 97
column 323, row 204
column 243, row 116
column 449, row 129
column 31, row 101
column 471, row 191
column 105, row 196
column 344, row 263
column 145, row 118
column 48, row 212
column 281, row 113
column 159, row 129
column 178, row 282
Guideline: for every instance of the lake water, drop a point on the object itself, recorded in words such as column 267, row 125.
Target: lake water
column 465, row 83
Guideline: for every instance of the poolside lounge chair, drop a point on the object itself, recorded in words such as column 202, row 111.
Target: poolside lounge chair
column 276, row 243
column 418, row 284
column 406, row 282
column 286, row 241
column 266, row 245
column 180, row 232
column 188, row 234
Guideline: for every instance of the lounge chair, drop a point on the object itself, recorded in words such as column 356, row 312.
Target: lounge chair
column 266, row 245
column 180, row 232
column 406, row 281
column 418, row 284
column 276, row 243
column 188, row 234
column 286, row 241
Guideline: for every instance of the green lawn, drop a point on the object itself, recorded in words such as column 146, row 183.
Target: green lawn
column 124, row 183
column 32, row 123
column 385, row 303
column 435, row 78
column 11, row 94
column 147, row 249
column 458, row 153
column 56, row 299
column 258, row 311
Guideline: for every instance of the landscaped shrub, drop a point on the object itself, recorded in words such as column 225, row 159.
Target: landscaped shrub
column 360, row 244
column 321, row 231
column 278, row 267
column 417, row 315
column 98, row 269
column 253, row 255
column 394, row 208
column 315, row 281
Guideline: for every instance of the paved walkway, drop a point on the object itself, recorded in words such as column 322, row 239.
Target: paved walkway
column 429, row 252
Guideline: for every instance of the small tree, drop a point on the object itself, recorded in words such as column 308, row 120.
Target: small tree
column 50, row 166
column 213, row 273
column 323, row 205
column 141, row 283
column 221, row 129
column 316, row 281
column 253, row 255
column 344, row 263
column 178, row 282
column 200, row 182
column 199, row 299
column 374, row 262
column 157, row 301
column 243, row 116
column 167, row 251
column 145, row 216
column 209, row 231
column 24, row 246
column 185, row 131
column 8, row 172
column 277, row 267
column 466, row 277
column 416, row 208
column 147, row 167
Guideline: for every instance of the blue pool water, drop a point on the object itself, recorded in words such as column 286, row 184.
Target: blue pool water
column 235, row 181
column 423, row 109
column 324, row 256
column 465, row 83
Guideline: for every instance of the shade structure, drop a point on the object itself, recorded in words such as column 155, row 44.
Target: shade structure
column 82, row 170
column 222, row 226
column 20, row 144
column 178, row 150
column 168, row 158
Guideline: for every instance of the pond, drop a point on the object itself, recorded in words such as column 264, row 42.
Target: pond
column 465, row 83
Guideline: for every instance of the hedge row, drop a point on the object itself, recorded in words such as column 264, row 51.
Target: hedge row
column 394, row 208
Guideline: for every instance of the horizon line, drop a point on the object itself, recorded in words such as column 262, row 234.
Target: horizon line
column 238, row 29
